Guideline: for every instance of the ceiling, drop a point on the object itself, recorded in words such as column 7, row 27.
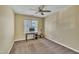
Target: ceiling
column 27, row 9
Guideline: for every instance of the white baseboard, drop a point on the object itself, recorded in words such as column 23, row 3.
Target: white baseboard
column 11, row 47
column 19, row 40
column 64, row 45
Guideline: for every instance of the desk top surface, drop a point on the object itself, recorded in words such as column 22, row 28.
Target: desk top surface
column 31, row 33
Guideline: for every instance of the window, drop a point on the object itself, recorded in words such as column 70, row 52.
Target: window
column 30, row 26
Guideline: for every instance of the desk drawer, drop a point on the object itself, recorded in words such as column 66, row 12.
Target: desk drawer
column 31, row 36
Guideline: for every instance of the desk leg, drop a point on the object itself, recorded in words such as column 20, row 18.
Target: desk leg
column 26, row 37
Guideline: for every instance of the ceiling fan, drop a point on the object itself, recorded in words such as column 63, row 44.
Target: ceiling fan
column 41, row 10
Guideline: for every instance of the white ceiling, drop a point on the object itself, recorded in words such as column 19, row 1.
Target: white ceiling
column 27, row 9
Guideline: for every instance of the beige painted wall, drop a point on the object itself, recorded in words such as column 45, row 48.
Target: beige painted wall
column 63, row 27
column 6, row 29
column 19, row 25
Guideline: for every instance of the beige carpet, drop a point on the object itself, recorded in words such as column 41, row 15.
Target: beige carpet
column 39, row 46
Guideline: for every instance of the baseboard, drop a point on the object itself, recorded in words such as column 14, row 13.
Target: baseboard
column 18, row 40
column 63, row 45
column 10, row 48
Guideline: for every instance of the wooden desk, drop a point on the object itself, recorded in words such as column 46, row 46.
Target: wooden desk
column 34, row 35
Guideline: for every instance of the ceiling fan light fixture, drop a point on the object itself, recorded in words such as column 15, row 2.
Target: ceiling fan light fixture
column 42, row 13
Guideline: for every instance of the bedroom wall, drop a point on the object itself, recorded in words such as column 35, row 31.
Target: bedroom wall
column 19, row 25
column 63, row 27
column 6, row 29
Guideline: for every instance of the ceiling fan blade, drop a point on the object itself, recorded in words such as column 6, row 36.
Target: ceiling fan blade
column 46, row 11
